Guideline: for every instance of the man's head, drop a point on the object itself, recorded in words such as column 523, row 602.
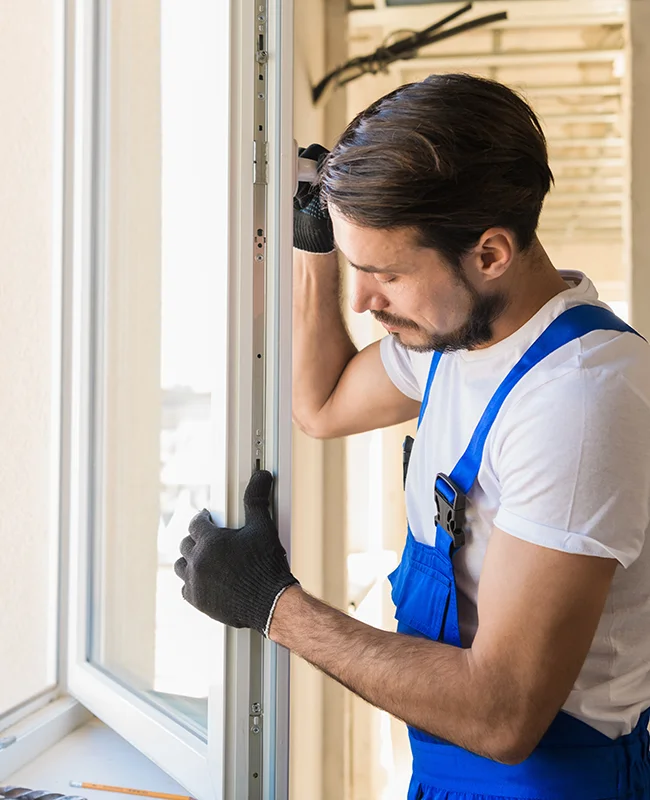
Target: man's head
column 439, row 186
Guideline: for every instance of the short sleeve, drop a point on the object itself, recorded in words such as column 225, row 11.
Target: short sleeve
column 573, row 461
column 397, row 363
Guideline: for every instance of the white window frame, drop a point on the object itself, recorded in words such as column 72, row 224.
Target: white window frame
column 255, row 668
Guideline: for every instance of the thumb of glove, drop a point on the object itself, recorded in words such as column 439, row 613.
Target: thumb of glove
column 257, row 497
column 315, row 152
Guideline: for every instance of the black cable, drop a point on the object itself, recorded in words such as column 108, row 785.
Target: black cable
column 402, row 50
column 403, row 44
column 410, row 41
column 381, row 64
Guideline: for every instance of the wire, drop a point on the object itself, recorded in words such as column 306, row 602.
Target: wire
column 375, row 62
column 403, row 49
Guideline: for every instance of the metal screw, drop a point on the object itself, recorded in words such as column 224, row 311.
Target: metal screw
column 256, row 708
column 260, row 96
column 255, row 729
column 262, row 56
column 259, row 258
column 261, row 18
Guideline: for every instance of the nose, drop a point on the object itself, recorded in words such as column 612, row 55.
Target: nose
column 365, row 293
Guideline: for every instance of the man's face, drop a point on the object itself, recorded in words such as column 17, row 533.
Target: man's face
column 418, row 297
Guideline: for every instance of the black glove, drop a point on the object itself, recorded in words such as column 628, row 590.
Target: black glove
column 312, row 226
column 236, row 576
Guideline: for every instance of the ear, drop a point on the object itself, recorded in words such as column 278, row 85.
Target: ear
column 493, row 253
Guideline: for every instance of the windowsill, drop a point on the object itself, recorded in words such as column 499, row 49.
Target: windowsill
column 95, row 754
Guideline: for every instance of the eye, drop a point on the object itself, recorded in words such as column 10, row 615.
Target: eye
column 385, row 278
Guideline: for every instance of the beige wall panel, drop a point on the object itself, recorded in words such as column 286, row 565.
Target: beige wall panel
column 638, row 227
column 319, row 752
column 559, row 74
column 601, row 261
column 27, row 565
column 306, row 743
column 544, row 39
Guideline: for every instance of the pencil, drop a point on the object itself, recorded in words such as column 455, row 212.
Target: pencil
column 123, row 790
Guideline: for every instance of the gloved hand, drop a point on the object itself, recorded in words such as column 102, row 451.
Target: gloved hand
column 312, row 226
column 236, row 576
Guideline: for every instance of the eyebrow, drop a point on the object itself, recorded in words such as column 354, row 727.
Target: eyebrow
column 367, row 268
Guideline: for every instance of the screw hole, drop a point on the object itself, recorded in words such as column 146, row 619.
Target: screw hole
column 259, row 355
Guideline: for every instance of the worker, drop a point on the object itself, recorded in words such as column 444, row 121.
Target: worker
column 521, row 662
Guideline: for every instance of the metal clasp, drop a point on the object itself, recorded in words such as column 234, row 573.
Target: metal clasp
column 450, row 503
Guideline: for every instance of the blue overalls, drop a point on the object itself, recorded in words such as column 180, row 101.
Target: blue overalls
column 573, row 761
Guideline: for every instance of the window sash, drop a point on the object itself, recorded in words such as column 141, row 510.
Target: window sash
column 221, row 767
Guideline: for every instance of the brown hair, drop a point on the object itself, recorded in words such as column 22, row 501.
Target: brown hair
column 450, row 156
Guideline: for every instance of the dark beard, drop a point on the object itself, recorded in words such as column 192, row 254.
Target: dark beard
column 476, row 331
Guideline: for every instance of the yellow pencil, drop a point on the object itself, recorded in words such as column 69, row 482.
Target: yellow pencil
column 141, row 792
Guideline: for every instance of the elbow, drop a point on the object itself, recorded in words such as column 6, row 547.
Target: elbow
column 512, row 753
column 501, row 743
column 508, row 720
column 515, row 742
column 310, row 426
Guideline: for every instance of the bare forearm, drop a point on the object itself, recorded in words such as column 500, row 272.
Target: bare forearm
column 321, row 344
column 429, row 685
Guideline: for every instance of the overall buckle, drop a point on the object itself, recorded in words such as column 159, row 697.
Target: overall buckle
column 450, row 502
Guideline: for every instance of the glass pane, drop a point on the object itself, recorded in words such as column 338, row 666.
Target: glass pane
column 28, row 416
column 161, row 367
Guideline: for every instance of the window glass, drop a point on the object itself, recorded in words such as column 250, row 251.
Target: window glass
column 161, row 294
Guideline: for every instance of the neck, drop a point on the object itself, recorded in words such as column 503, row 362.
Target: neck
column 532, row 284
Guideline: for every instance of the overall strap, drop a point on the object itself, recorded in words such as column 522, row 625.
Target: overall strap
column 571, row 324
column 432, row 374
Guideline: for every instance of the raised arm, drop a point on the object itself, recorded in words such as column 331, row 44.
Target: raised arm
column 336, row 389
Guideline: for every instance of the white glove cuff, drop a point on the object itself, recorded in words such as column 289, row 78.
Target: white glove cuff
column 267, row 627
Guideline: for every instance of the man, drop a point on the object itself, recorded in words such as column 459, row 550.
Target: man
column 521, row 662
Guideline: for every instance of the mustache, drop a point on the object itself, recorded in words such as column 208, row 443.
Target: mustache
column 391, row 319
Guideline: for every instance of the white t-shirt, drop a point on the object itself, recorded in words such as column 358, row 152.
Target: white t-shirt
column 566, row 466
